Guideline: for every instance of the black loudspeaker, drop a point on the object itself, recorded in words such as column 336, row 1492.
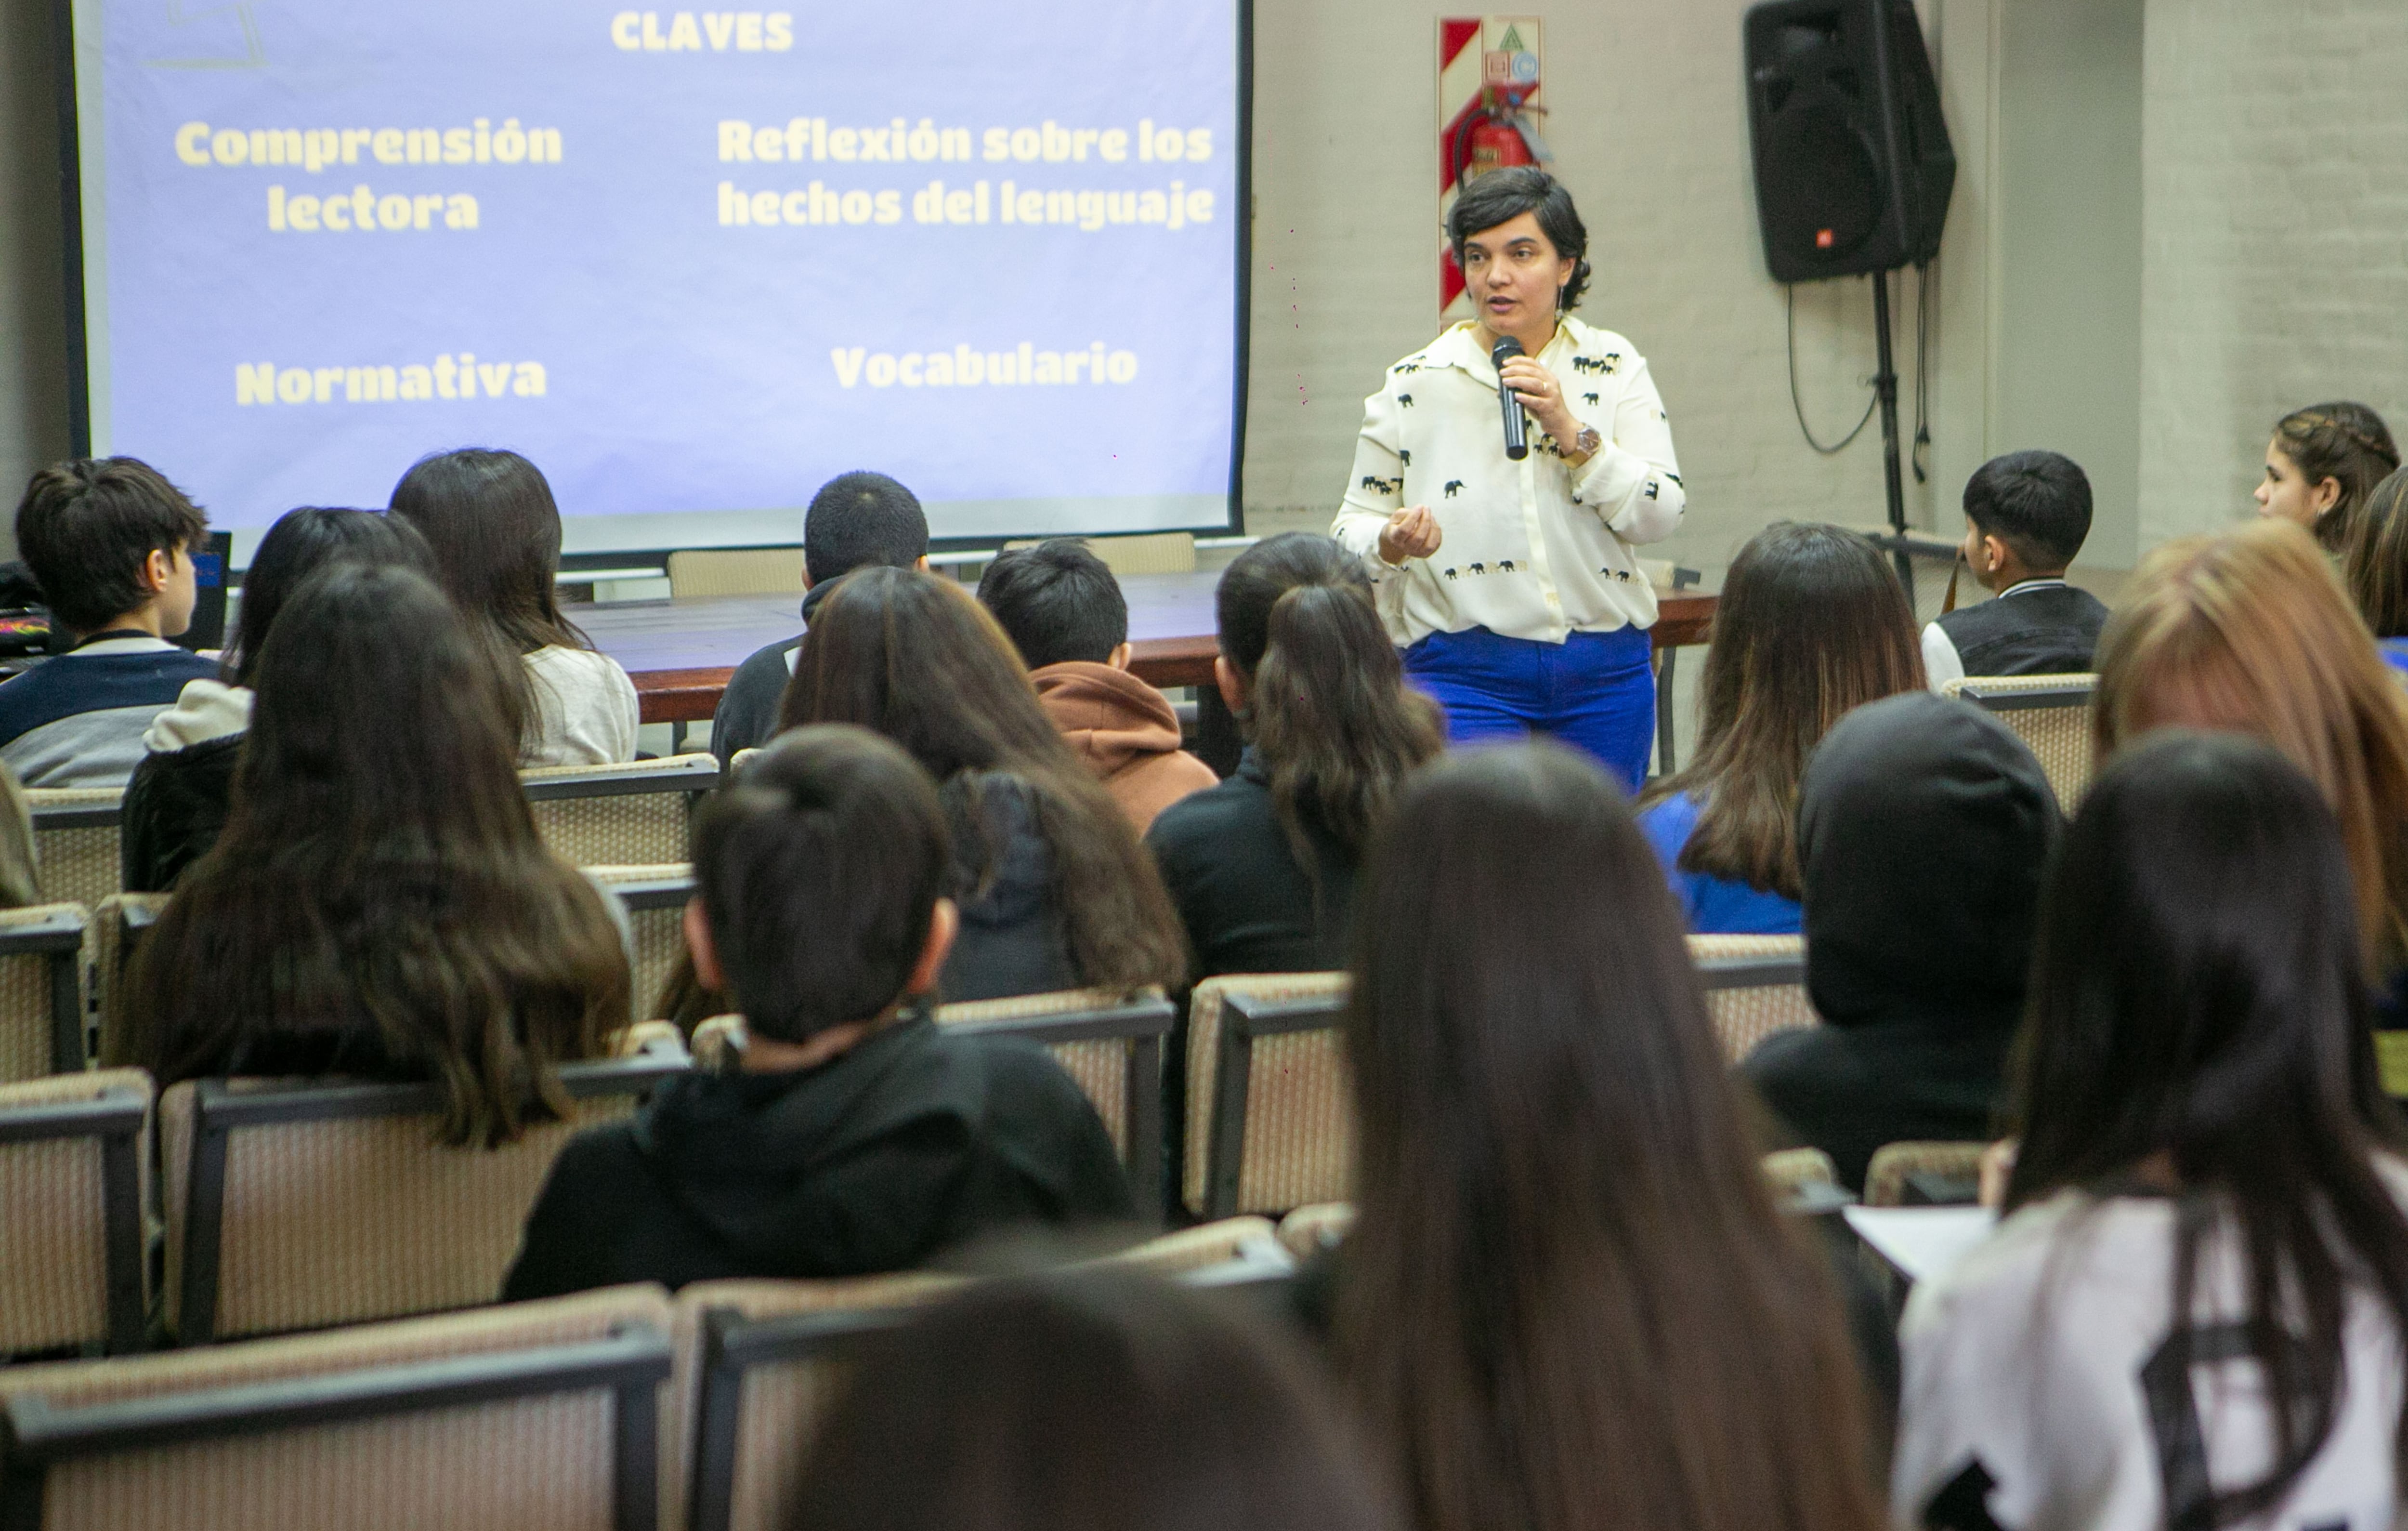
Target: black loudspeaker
column 1853, row 164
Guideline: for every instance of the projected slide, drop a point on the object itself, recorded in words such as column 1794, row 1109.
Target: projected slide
column 692, row 262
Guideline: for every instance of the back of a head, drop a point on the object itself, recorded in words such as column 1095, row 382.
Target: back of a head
column 1093, row 1403
column 85, row 528
column 302, row 543
column 2346, row 442
column 1331, row 714
column 1056, row 601
column 862, row 520
column 2036, row 502
column 819, row 873
column 2375, row 564
column 1549, row 1147
column 1923, row 828
column 2250, row 630
column 1812, row 622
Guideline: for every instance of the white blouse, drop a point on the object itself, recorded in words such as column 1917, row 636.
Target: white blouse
column 588, row 705
column 1531, row 549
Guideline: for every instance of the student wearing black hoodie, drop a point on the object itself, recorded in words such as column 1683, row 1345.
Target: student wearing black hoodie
column 850, row 1135
column 1924, row 826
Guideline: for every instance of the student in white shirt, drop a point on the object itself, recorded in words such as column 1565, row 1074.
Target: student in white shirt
column 2192, row 1315
column 1513, row 586
column 495, row 531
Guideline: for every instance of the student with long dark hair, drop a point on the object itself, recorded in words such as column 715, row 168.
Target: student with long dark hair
column 1096, row 1403
column 1568, row 1301
column 380, row 903
column 2321, row 465
column 1054, row 890
column 2192, row 1314
column 1263, row 865
column 2375, row 567
column 1924, row 826
column 1811, row 623
column 176, row 804
column 495, row 531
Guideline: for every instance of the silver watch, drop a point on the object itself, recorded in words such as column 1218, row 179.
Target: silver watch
column 1588, row 443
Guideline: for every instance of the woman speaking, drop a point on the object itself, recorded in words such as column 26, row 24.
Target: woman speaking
column 1509, row 578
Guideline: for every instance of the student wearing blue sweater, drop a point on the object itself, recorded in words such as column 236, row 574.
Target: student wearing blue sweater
column 1811, row 623
column 110, row 542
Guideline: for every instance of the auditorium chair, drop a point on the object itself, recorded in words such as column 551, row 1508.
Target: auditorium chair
column 1925, row 1174
column 74, row 1154
column 631, row 815
column 1756, row 984
column 754, row 1378
column 1269, row 1125
column 1145, row 553
column 1111, row 1045
column 1310, row 1231
column 75, row 842
column 117, row 927
column 536, row 1416
column 654, row 897
column 298, row 1203
column 736, row 571
column 1184, row 1251
column 2051, row 714
column 1804, row 1180
column 41, row 991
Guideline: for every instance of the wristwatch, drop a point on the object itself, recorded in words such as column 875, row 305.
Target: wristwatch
column 1586, row 445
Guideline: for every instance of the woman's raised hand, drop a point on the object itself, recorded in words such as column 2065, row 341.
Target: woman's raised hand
column 1410, row 534
column 1543, row 396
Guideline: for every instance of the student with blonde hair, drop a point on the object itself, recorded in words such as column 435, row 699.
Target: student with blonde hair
column 2250, row 632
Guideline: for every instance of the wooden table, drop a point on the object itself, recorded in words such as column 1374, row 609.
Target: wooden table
column 682, row 653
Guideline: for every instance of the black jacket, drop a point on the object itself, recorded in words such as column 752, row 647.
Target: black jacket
column 1012, row 940
column 175, row 808
column 2050, row 630
column 904, row 1146
column 747, row 709
column 1248, row 906
column 1923, row 825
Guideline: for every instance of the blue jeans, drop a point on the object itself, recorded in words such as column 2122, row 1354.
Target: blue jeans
column 1595, row 691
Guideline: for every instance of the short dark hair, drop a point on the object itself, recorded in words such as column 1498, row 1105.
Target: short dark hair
column 1056, row 601
column 1502, row 195
column 858, row 520
column 2036, row 502
column 819, row 872
column 87, row 526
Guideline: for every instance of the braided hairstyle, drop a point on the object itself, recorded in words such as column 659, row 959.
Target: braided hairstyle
column 2347, row 444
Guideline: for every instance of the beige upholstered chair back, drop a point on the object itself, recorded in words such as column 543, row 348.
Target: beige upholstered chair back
column 1756, row 984
column 736, row 571
column 73, row 1156
column 748, row 1420
column 1148, row 552
column 75, row 841
column 1789, row 1171
column 536, row 1417
column 2051, row 714
column 41, row 991
column 1283, row 1135
column 294, row 1204
column 656, row 898
column 1111, row 1045
column 1308, row 1231
column 117, row 928
column 1885, row 1176
column 633, row 815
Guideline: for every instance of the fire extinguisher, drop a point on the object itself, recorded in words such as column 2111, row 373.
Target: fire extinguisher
column 1501, row 133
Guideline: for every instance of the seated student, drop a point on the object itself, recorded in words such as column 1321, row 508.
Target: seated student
column 2026, row 515
column 1561, row 1214
column 176, row 804
column 495, row 532
column 110, row 542
column 1263, row 865
column 2375, row 568
column 1077, row 1403
column 1811, row 623
column 851, row 1135
column 1063, row 610
column 2249, row 631
column 379, row 903
column 1922, row 827
column 1054, row 890
column 2192, row 1314
column 856, row 520
column 2321, row 465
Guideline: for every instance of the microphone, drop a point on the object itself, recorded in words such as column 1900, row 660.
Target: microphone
column 1517, row 442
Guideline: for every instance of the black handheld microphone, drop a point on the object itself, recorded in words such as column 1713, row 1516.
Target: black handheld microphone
column 1517, row 442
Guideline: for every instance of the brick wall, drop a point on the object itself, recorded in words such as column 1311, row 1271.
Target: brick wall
column 2275, row 231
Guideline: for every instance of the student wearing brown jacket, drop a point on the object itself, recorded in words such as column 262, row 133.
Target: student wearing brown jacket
column 1065, row 613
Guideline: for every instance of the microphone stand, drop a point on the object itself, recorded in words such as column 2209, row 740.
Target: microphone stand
column 1886, row 389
